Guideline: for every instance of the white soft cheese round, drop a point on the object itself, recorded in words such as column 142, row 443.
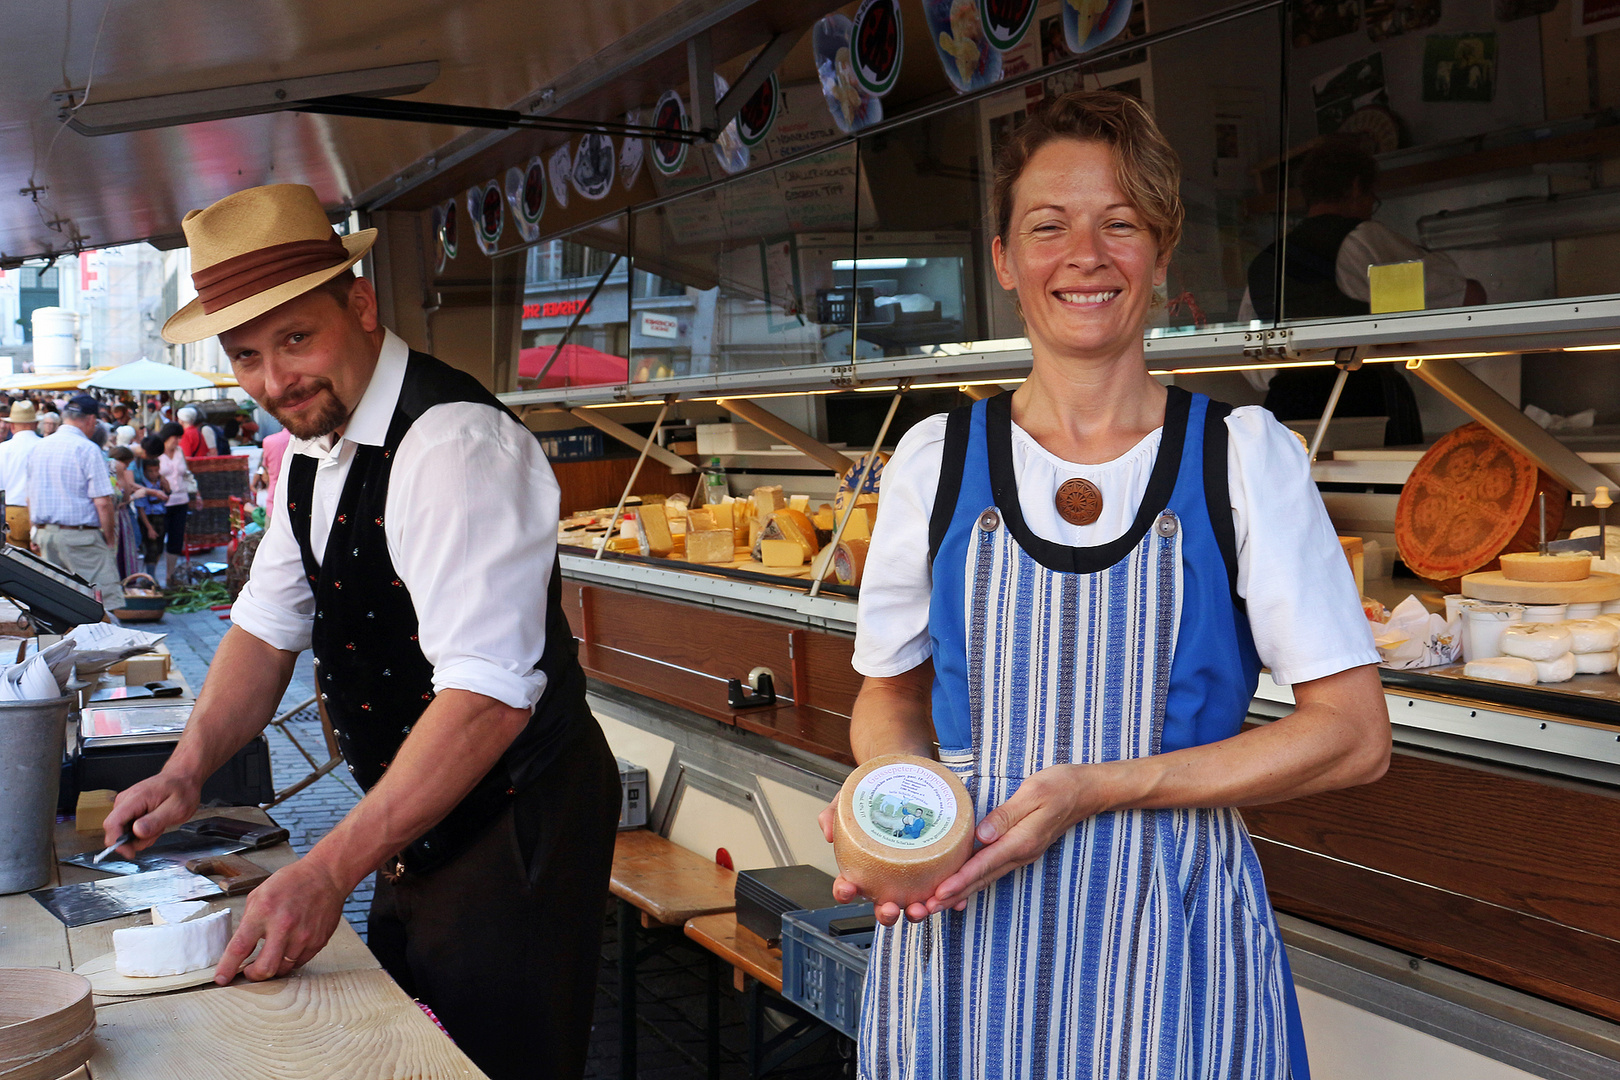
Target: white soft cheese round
column 904, row 825
column 1559, row 669
column 171, row 948
column 1596, row 663
column 1592, row 635
column 1511, row 669
column 1537, row 641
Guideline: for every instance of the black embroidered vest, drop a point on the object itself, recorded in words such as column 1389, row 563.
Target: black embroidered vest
column 373, row 677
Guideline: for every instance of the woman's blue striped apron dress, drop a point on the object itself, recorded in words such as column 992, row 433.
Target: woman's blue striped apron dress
column 1141, row 944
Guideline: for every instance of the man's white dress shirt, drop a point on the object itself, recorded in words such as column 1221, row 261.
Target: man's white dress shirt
column 14, row 466
column 471, row 523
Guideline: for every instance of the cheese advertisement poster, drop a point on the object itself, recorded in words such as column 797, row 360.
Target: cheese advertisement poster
column 904, row 806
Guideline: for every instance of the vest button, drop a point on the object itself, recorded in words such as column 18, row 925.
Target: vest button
column 343, row 519
column 989, row 521
column 1167, row 525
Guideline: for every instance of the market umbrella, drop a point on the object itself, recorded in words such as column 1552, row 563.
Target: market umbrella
column 48, row 380
column 147, row 376
column 579, row 365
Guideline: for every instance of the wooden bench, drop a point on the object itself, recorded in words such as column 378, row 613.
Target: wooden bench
column 661, row 885
column 755, row 964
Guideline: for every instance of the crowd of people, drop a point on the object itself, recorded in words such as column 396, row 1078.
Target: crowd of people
column 103, row 488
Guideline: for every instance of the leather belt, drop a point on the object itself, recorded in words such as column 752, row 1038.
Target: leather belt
column 57, row 525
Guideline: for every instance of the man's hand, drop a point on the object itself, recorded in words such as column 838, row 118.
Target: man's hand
column 154, row 805
column 293, row 913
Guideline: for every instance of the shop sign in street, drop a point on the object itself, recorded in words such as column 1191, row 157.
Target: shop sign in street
column 660, row 326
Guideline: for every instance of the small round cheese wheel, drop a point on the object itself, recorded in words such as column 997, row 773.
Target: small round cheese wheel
column 1592, row 635
column 1537, row 641
column 1502, row 669
column 1533, row 566
column 849, row 560
column 904, row 825
column 1561, row 669
column 1595, row 663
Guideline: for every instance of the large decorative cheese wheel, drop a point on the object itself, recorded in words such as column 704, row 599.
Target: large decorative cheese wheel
column 1470, row 499
column 1534, row 566
column 904, row 825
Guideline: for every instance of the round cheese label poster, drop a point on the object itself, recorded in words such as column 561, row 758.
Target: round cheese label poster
column 903, row 806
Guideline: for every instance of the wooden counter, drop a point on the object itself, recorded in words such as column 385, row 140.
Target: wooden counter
column 338, row 1016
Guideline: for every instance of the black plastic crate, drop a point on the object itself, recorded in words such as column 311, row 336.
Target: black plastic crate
column 839, row 306
column 580, row 444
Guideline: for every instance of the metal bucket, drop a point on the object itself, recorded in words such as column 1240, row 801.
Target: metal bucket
column 31, row 742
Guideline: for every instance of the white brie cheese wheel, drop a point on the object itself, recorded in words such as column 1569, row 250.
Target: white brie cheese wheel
column 1502, row 669
column 1595, row 663
column 1561, row 669
column 904, row 825
column 1537, row 641
column 184, row 911
column 1592, row 635
column 171, row 948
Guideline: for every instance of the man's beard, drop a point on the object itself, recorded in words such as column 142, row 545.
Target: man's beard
column 326, row 417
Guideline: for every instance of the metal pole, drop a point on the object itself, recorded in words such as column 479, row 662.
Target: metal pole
column 578, row 315
column 860, row 485
column 1327, row 413
column 619, row 510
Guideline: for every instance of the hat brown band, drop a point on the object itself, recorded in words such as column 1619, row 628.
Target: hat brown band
column 237, row 278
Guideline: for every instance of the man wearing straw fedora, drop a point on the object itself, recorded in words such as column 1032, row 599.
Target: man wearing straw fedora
column 413, row 548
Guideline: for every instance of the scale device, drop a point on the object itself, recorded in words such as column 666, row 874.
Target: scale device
column 56, row 600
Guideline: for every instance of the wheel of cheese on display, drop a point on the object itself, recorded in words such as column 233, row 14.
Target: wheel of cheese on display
column 1596, row 663
column 1537, row 641
column 849, row 561
column 874, row 479
column 1559, row 669
column 182, row 937
column 904, row 824
column 1533, row 566
column 1469, row 500
column 1592, row 635
column 1510, row 669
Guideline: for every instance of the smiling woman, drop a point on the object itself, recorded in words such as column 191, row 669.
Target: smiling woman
column 1081, row 582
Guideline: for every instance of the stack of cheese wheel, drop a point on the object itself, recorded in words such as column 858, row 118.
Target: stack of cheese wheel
column 1549, row 646
column 1470, row 499
column 904, row 824
column 1593, row 643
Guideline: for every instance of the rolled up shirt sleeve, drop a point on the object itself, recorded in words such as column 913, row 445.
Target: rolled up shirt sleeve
column 277, row 605
column 472, row 528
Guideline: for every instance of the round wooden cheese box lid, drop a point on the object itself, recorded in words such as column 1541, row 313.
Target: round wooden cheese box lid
column 1470, row 499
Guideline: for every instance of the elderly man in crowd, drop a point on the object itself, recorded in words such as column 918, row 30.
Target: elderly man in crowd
column 70, row 502
column 14, row 470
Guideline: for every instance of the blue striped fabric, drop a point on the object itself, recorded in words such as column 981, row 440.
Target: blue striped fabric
column 1141, row 944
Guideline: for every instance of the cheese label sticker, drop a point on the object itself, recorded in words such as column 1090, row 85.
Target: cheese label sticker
column 903, row 806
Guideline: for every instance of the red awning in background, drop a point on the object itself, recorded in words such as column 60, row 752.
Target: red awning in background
column 579, row 365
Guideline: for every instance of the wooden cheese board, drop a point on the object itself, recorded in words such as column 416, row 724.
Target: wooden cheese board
column 1497, row 587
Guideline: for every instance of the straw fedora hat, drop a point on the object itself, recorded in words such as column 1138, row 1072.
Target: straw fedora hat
column 23, row 413
column 254, row 251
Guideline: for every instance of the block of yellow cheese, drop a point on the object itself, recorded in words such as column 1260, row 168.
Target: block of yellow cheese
column 709, row 546
column 801, row 503
column 903, row 825
column 781, row 553
column 652, row 532
column 767, row 501
column 860, row 524
column 699, row 520
column 92, row 810
column 825, row 520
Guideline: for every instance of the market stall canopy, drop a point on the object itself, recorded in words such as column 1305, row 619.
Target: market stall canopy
column 579, row 365
column 49, row 380
column 127, row 68
column 147, row 376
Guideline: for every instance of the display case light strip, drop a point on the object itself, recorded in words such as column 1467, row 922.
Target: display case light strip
column 1592, row 348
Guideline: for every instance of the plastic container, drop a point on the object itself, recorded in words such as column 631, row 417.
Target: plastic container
column 34, row 735
column 633, row 795
column 56, row 339
column 1545, row 612
column 1483, row 625
column 823, row 974
column 1583, row 611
